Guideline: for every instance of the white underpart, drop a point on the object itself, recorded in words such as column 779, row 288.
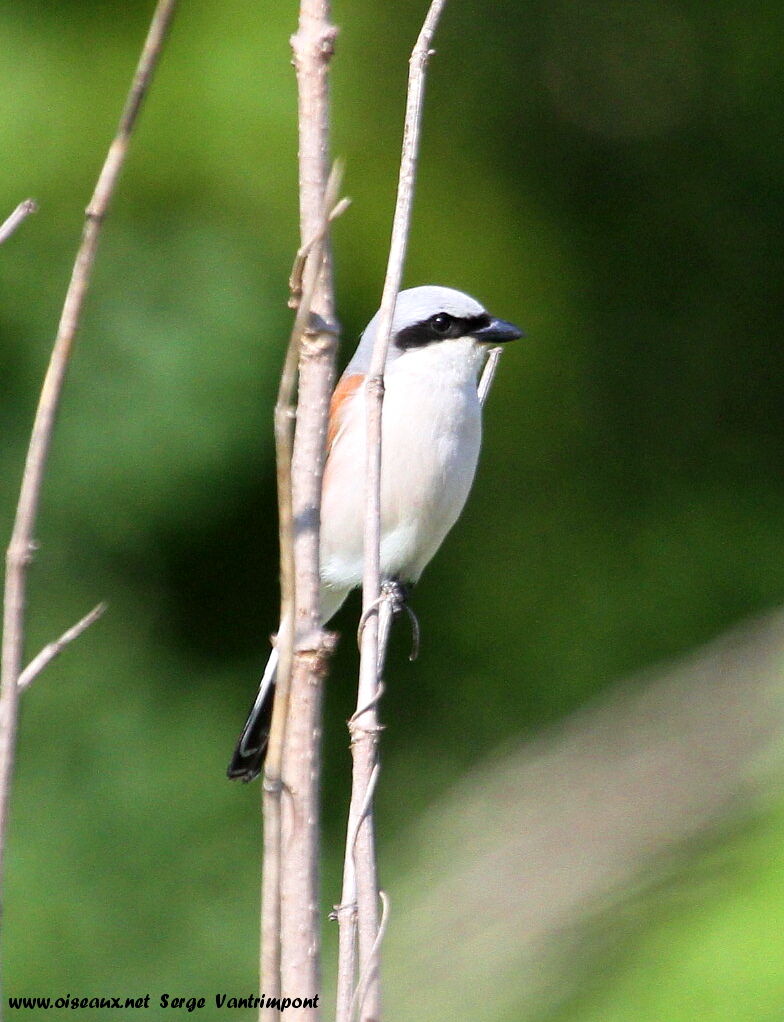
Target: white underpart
column 431, row 434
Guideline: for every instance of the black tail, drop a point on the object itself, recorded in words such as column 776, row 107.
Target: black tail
column 248, row 758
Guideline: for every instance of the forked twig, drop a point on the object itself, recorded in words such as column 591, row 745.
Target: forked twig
column 338, row 209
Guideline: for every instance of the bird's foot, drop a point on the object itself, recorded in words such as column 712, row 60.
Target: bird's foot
column 394, row 595
column 398, row 594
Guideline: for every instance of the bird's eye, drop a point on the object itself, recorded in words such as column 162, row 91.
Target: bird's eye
column 441, row 323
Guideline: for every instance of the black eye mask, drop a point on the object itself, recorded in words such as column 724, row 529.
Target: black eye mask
column 441, row 327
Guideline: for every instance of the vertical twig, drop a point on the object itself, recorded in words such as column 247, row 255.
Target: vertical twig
column 298, row 843
column 20, row 548
column 488, row 374
column 364, row 722
column 304, row 278
column 350, row 989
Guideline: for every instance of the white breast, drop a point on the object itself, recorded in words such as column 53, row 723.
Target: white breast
column 431, row 434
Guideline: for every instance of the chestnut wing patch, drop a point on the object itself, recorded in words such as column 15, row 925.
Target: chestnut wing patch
column 345, row 390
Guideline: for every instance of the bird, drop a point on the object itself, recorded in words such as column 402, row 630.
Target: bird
column 431, row 429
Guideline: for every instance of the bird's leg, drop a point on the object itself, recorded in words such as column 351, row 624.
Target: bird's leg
column 398, row 593
column 394, row 596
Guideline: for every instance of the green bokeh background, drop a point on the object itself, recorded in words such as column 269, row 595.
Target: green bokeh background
column 606, row 174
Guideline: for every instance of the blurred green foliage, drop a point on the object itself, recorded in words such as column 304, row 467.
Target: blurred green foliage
column 606, row 174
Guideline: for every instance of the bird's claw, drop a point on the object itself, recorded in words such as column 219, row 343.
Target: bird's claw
column 395, row 594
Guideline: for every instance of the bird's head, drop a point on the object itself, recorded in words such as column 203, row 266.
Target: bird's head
column 430, row 315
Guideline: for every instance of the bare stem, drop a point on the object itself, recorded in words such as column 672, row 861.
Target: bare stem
column 295, row 965
column 54, row 649
column 359, row 993
column 20, row 548
column 304, row 278
column 20, row 214
column 488, row 374
column 365, row 741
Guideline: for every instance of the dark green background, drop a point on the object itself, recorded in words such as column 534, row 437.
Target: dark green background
column 606, row 174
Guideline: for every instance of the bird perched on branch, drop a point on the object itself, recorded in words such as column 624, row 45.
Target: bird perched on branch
column 431, row 435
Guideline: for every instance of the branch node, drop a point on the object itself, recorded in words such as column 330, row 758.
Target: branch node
column 374, row 387
column 270, row 784
column 319, row 45
column 349, row 909
column 327, row 41
column 319, row 333
column 21, row 554
column 360, row 731
column 95, row 216
column 318, row 647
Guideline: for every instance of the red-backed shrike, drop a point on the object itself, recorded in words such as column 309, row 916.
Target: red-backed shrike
column 431, row 435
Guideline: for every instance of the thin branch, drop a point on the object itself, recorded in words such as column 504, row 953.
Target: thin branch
column 303, row 281
column 19, row 215
column 296, row 277
column 364, row 749
column 346, row 912
column 359, row 994
column 364, row 809
column 20, row 548
column 386, row 606
column 54, row 649
column 488, row 374
column 299, row 954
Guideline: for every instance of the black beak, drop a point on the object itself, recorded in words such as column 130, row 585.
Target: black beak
column 498, row 331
